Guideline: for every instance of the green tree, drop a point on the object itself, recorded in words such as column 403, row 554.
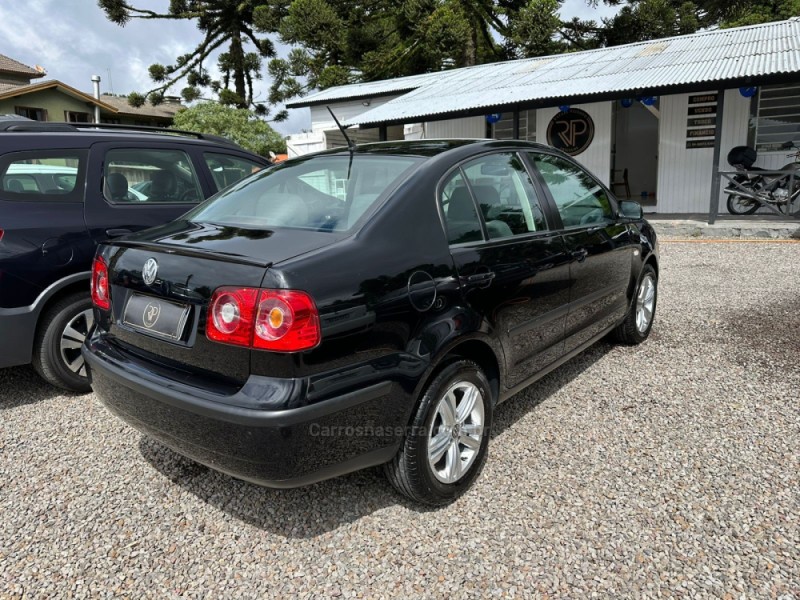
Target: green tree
column 337, row 42
column 224, row 24
column 240, row 125
column 640, row 20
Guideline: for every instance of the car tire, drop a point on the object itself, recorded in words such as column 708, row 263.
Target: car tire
column 639, row 321
column 61, row 332
column 459, row 437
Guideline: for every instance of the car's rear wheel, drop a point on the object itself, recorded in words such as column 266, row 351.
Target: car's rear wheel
column 639, row 321
column 61, row 333
column 445, row 449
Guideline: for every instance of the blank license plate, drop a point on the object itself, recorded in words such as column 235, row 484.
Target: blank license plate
column 156, row 316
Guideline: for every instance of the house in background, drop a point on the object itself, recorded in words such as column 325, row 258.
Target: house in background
column 53, row 100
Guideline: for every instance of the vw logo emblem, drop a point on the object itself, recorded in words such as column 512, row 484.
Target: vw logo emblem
column 149, row 271
column 151, row 314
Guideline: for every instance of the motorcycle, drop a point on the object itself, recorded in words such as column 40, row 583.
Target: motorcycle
column 752, row 189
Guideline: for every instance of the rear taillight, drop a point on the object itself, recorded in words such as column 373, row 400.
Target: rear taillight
column 276, row 320
column 286, row 321
column 230, row 315
column 101, row 294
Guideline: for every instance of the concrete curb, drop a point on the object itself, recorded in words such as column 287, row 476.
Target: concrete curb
column 727, row 230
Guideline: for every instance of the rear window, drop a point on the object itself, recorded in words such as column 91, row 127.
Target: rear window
column 326, row 193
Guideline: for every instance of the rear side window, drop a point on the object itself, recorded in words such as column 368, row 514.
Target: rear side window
column 459, row 211
column 43, row 176
column 138, row 175
column 327, row 193
column 227, row 169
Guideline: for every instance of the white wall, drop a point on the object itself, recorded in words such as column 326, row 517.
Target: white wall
column 684, row 175
column 304, row 143
column 321, row 118
column 468, row 127
column 597, row 157
column 735, row 120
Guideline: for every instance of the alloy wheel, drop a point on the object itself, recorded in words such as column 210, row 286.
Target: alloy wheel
column 645, row 303
column 72, row 339
column 456, row 433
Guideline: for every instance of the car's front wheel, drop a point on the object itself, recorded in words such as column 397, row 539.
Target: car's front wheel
column 61, row 333
column 445, row 449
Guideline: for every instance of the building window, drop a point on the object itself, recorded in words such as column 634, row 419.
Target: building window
column 778, row 116
column 37, row 114
column 77, row 117
column 110, row 121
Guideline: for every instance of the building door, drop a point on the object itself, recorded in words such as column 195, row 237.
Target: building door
column 634, row 158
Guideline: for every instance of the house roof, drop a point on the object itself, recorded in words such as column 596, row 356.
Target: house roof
column 12, row 91
column 9, row 65
column 698, row 61
column 120, row 104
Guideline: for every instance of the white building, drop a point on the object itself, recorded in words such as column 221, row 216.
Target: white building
column 665, row 112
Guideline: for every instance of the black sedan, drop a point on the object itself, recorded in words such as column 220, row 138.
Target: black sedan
column 366, row 307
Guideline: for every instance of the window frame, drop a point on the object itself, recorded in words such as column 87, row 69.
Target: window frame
column 789, row 104
column 613, row 202
column 192, row 163
column 544, row 198
column 43, row 112
column 74, row 196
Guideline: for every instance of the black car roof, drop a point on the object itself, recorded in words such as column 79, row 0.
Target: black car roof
column 429, row 147
column 91, row 132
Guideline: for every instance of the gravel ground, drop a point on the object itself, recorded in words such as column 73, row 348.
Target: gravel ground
column 665, row 470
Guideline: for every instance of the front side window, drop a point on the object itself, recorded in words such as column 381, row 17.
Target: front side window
column 42, row 175
column 328, row 193
column 134, row 175
column 505, row 195
column 227, row 169
column 580, row 199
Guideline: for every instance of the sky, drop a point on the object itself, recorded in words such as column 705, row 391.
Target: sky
column 73, row 40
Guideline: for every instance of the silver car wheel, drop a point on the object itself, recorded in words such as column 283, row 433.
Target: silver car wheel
column 456, row 432
column 645, row 303
column 72, row 339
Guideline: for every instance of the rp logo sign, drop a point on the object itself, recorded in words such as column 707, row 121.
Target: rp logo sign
column 571, row 132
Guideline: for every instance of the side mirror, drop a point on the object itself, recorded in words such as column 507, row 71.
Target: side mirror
column 787, row 145
column 631, row 210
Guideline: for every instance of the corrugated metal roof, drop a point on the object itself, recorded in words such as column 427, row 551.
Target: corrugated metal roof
column 363, row 90
column 706, row 57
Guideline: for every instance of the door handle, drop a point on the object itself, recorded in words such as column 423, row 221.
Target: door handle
column 484, row 277
column 115, row 233
column 580, row 255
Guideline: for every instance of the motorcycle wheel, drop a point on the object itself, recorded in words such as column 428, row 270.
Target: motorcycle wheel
column 739, row 205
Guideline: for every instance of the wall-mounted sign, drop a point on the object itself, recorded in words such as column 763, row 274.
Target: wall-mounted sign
column 701, row 121
column 703, row 110
column 703, row 99
column 571, row 131
column 493, row 118
column 690, row 144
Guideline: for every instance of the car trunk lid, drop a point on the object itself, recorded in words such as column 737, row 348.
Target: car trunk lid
column 162, row 281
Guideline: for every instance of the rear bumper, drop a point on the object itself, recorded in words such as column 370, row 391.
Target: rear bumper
column 271, row 447
column 17, row 330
